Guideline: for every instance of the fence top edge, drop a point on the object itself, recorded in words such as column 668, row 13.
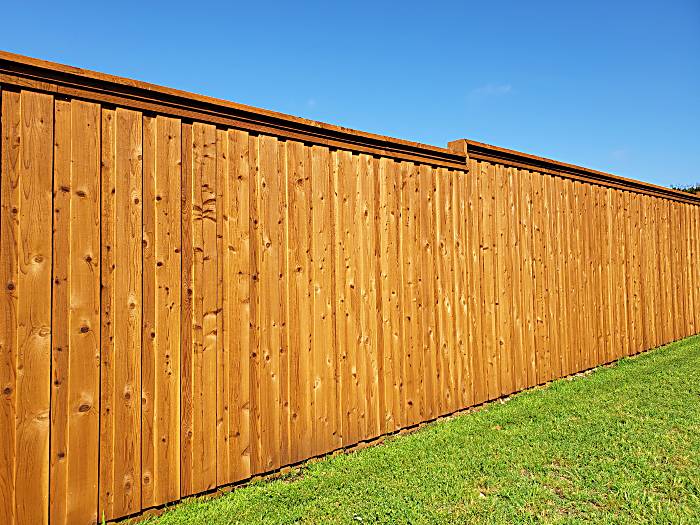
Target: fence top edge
column 59, row 78
column 53, row 75
column 488, row 152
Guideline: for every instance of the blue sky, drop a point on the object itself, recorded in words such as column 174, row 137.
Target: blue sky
column 609, row 85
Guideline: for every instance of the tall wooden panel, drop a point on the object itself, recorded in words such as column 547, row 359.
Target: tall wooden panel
column 299, row 299
column 199, row 350
column 433, row 342
column 121, row 220
column 326, row 417
column 237, row 301
column 161, row 311
column 76, row 313
column 25, row 329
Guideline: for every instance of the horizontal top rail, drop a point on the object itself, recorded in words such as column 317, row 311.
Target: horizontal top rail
column 495, row 154
column 62, row 80
column 59, row 79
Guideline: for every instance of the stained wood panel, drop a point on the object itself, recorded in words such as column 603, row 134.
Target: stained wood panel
column 479, row 361
column 488, row 281
column 299, row 302
column 121, row 304
column 76, row 313
column 460, row 241
column 186, row 305
column 237, row 301
column 160, row 361
column 391, row 293
column 25, row 333
column 326, row 415
column 270, row 314
column 410, row 210
column 433, row 263
column 199, row 387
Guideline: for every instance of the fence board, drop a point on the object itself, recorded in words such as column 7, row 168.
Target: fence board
column 528, row 278
column 488, row 281
column 161, row 312
column 368, row 289
column 327, row 432
column 223, row 346
column 76, row 303
column 237, row 302
column 203, row 349
column 60, row 322
column 9, row 253
column 299, row 309
column 460, row 269
column 478, row 360
column 122, row 312
column 433, row 342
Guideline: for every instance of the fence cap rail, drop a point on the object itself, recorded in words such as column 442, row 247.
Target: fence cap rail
column 62, row 80
column 487, row 152
column 59, row 79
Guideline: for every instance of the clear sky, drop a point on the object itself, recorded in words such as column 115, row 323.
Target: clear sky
column 610, row 85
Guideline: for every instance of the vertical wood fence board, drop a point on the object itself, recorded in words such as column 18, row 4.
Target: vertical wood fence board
column 326, row 434
column 237, row 302
column 76, row 319
column 476, row 344
column 432, row 344
column 461, row 275
column 299, row 308
column 223, row 347
column 120, row 483
column 204, row 308
column 9, row 230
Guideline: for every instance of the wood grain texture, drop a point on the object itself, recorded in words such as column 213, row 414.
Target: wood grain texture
column 9, row 253
column 202, row 381
column 326, row 415
column 185, row 306
column 121, row 303
column 25, row 332
column 299, row 299
column 433, row 343
column 270, row 317
column 237, row 302
column 76, row 319
column 160, row 445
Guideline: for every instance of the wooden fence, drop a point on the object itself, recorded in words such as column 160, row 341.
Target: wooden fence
column 195, row 292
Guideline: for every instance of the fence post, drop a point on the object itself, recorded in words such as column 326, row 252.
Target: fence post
column 460, row 146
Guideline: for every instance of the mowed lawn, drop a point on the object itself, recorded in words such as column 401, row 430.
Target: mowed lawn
column 619, row 445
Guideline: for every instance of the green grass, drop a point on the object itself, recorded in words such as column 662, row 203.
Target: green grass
column 620, row 445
